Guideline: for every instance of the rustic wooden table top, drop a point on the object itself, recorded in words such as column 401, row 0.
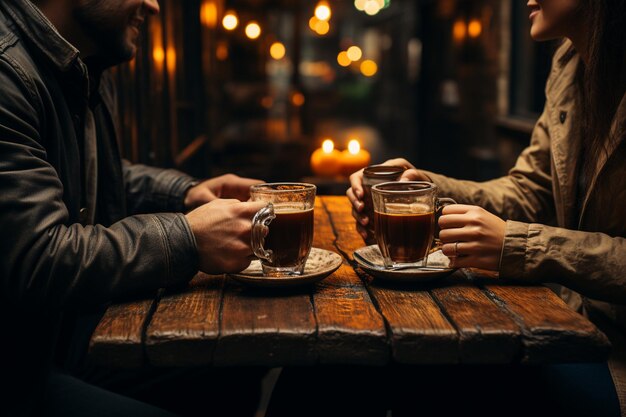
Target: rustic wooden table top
column 348, row 318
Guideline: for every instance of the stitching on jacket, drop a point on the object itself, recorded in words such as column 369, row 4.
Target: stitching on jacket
column 28, row 83
column 8, row 41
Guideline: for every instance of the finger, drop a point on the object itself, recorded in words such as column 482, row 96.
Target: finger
column 459, row 234
column 360, row 217
column 460, row 248
column 413, row 175
column 399, row 162
column 356, row 203
column 249, row 208
column 362, row 231
column 450, row 221
column 356, row 183
column 457, row 209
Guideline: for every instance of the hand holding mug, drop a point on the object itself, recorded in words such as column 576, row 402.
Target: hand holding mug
column 361, row 208
column 222, row 229
column 472, row 237
column 282, row 231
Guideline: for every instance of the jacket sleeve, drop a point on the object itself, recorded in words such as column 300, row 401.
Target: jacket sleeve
column 525, row 194
column 593, row 264
column 49, row 261
column 151, row 190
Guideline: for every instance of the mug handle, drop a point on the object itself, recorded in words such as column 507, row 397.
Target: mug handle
column 440, row 203
column 260, row 222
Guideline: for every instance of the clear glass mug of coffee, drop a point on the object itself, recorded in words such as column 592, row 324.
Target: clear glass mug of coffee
column 372, row 175
column 288, row 219
column 405, row 220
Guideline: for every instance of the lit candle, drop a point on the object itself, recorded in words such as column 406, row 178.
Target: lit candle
column 354, row 158
column 325, row 160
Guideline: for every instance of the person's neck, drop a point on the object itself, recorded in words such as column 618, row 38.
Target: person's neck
column 59, row 13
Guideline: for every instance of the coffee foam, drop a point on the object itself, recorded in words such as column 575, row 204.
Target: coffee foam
column 413, row 208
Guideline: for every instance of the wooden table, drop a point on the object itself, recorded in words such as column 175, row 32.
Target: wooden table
column 348, row 318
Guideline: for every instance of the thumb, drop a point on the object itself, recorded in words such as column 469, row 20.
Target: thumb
column 414, row 175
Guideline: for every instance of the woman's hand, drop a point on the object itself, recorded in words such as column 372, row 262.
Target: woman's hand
column 355, row 192
column 472, row 236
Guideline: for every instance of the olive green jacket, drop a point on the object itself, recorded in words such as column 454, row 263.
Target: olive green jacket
column 552, row 237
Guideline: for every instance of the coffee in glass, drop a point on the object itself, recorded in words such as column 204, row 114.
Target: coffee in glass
column 405, row 219
column 288, row 220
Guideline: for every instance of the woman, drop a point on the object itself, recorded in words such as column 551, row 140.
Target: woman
column 559, row 215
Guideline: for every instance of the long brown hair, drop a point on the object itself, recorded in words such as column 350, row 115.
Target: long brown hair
column 603, row 78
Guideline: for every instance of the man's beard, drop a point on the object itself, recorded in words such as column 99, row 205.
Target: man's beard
column 109, row 38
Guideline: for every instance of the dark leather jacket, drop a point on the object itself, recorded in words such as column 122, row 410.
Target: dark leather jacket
column 65, row 247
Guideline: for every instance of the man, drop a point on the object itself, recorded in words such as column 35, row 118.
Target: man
column 74, row 237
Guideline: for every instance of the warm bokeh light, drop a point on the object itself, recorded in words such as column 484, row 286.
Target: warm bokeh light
column 170, row 58
column 322, row 27
column 360, row 4
column 277, row 50
column 458, row 30
column 297, row 99
column 322, row 11
column 354, row 146
column 221, row 52
column 328, row 146
column 208, row 14
column 354, row 53
column 253, row 30
column 474, row 29
column 158, row 55
column 372, row 7
column 267, row 102
column 342, row 59
column 230, row 21
column 369, row 68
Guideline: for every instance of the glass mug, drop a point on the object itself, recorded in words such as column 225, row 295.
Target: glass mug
column 405, row 220
column 372, row 175
column 288, row 217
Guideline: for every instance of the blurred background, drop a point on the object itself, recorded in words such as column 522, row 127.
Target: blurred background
column 255, row 87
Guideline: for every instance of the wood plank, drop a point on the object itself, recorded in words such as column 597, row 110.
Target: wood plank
column 350, row 330
column 267, row 327
column 185, row 326
column 552, row 332
column 347, row 238
column 117, row 340
column 487, row 334
column 418, row 331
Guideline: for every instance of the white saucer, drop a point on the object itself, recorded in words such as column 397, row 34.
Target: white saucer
column 372, row 262
column 320, row 264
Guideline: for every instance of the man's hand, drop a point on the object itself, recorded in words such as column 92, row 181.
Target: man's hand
column 355, row 192
column 222, row 229
column 472, row 236
column 224, row 186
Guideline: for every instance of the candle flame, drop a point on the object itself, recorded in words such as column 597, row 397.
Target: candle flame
column 354, row 147
column 328, row 146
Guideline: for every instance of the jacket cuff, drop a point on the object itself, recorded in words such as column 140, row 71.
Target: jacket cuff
column 181, row 250
column 174, row 184
column 513, row 259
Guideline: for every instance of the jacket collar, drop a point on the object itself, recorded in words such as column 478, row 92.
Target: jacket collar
column 41, row 33
column 561, row 94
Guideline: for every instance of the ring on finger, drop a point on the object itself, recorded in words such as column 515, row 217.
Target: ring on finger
column 456, row 249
